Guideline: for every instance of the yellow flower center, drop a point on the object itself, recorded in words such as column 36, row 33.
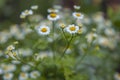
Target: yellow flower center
column 7, row 75
column 78, row 14
column 23, row 74
column 79, row 31
column 72, row 28
column 119, row 75
column 44, row 29
column 53, row 15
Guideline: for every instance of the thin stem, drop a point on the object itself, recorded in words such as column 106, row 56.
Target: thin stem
column 67, row 46
column 53, row 25
column 64, row 35
column 82, row 58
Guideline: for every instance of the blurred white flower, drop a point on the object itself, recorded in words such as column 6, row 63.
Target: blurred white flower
column 72, row 29
column 25, row 52
column 8, row 68
column 117, row 76
column 86, row 20
column 34, row 18
column 51, row 10
column 109, row 32
column 1, row 71
column 98, row 18
column 76, row 7
column 43, row 30
column 8, row 76
column 10, row 47
column 15, row 62
column 1, row 53
column 13, row 55
column 91, row 36
column 78, row 15
column 106, row 42
column 53, row 16
column 34, row 7
column 23, row 76
column 57, row 7
column 34, row 74
column 108, row 23
column 25, row 68
column 68, row 51
column 62, row 25
column 4, row 36
column 42, row 55
column 26, row 13
column 17, row 32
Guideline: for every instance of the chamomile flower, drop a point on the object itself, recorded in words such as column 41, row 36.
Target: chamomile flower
column 8, row 76
column 34, row 74
column 26, row 13
column 78, row 15
column 1, row 71
column 25, row 68
column 10, row 47
column 8, row 68
column 62, row 25
column 43, row 30
column 58, row 7
column 53, row 16
column 76, row 7
column 51, row 10
column 72, row 29
column 34, row 7
column 91, row 36
column 23, row 76
column 117, row 76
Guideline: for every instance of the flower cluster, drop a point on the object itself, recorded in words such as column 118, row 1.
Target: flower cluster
column 28, row 12
column 54, row 48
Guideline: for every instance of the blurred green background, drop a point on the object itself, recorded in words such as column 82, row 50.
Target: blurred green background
column 10, row 11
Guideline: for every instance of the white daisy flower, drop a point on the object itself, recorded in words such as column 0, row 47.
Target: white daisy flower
column 26, row 13
column 76, row 7
column 25, row 52
column 53, row 16
column 8, row 76
column 15, row 62
column 51, row 10
column 117, row 76
column 43, row 30
column 22, row 16
column 78, row 15
column 72, row 29
column 23, row 76
column 91, row 36
column 34, row 74
column 57, row 7
column 9, row 68
column 1, row 71
column 10, row 47
column 34, row 7
column 62, row 25
column 25, row 68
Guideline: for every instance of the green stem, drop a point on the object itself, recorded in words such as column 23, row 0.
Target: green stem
column 67, row 46
column 53, row 25
column 82, row 58
column 64, row 35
